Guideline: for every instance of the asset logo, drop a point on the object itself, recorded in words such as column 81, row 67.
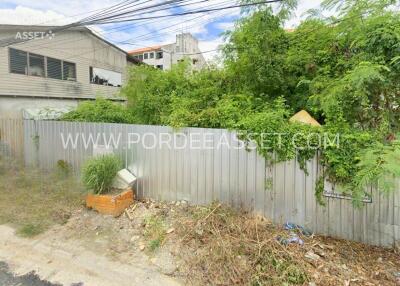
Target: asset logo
column 35, row 35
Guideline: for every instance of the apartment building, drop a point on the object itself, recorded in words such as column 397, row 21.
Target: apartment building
column 164, row 56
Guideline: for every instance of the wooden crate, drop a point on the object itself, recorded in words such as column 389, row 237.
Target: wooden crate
column 110, row 204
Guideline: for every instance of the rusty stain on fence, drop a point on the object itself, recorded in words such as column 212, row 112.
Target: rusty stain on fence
column 12, row 138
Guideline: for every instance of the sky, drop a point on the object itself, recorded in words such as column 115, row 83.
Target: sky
column 207, row 28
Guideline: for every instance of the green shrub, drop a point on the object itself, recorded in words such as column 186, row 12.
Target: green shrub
column 100, row 110
column 99, row 172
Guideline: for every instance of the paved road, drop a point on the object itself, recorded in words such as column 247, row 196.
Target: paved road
column 9, row 279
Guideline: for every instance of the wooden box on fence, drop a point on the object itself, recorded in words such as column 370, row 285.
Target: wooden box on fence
column 110, row 204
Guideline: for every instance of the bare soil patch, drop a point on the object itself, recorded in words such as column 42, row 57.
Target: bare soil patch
column 216, row 245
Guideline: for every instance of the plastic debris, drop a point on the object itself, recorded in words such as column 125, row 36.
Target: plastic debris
column 293, row 226
column 293, row 239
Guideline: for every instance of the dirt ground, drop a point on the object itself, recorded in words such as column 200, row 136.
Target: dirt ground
column 175, row 244
column 66, row 259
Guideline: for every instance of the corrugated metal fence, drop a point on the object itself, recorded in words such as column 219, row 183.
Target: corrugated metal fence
column 11, row 138
column 215, row 169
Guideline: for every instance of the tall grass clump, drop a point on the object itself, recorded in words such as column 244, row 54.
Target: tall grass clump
column 99, row 172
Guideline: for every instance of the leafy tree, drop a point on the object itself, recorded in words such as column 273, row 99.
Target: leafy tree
column 255, row 55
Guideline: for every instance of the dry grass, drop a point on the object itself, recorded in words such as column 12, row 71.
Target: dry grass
column 32, row 202
column 221, row 246
column 232, row 249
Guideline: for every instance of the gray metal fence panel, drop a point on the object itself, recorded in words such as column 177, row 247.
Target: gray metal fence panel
column 212, row 171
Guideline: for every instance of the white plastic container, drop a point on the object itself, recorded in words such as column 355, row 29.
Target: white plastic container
column 124, row 179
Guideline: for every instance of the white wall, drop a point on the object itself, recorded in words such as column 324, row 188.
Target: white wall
column 11, row 107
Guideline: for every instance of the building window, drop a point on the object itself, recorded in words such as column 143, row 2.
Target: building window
column 105, row 77
column 159, row 55
column 161, row 67
column 151, row 55
column 36, row 65
column 54, row 68
column 69, row 71
column 18, row 62
column 146, row 56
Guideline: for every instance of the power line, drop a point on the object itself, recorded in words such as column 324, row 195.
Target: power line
column 146, row 35
column 11, row 41
column 143, row 9
column 68, row 16
column 112, row 8
column 190, row 12
column 121, row 20
column 66, row 41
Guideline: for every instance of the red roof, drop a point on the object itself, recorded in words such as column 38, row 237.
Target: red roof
column 142, row 50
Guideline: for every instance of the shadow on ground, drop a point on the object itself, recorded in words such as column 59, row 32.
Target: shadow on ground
column 7, row 278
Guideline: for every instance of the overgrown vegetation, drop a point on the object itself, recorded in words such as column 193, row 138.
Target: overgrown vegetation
column 98, row 173
column 33, row 201
column 101, row 110
column 343, row 69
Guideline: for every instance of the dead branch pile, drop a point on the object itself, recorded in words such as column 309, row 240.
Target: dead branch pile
column 223, row 247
